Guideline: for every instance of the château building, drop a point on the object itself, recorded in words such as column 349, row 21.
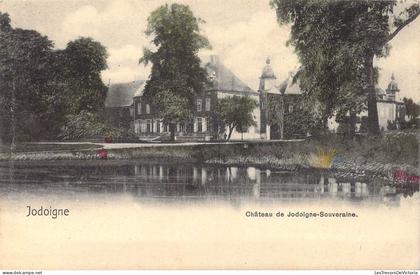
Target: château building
column 274, row 95
column 391, row 110
column 127, row 103
column 119, row 102
column 203, row 126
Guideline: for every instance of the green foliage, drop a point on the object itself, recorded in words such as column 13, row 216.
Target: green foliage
column 412, row 111
column 236, row 112
column 336, row 42
column 305, row 119
column 176, row 107
column 88, row 125
column 176, row 75
column 300, row 123
column 40, row 87
column 25, row 56
column 401, row 147
column 4, row 22
column 83, row 125
column 79, row 68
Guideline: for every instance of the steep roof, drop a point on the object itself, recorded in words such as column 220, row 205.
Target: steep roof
column 292, row 88
column 121, row 94
column 286, row 87
column 223, row 79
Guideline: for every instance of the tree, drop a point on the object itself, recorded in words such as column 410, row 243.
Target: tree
column 327, row 35
column 176, row 76
column 76, row 80
column 305, row 119
column 236, row 112
column 88, row 125
column 25, row 56
column 412, row 111
column 40, row 87
column 176, row 109
column 81, row 63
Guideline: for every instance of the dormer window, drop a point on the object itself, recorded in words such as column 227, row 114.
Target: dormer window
column 208, row 102
column 139, row 108
column 199, row 105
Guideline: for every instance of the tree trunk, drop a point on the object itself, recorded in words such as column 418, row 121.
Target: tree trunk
column 373, row 121
column 324, row 124
column 282, row 116
column 352, row 124
column 230, row 132
column 172, row 131
column 13, row 118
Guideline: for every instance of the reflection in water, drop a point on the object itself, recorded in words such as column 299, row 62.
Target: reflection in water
column 185, row 181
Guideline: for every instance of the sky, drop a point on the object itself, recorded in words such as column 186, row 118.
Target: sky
column 242, row 32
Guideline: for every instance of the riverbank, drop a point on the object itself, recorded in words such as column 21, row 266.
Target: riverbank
column 357, row 157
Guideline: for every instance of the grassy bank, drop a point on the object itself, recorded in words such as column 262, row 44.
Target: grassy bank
column 48, row 147
column 49, row 151
column 381, row 155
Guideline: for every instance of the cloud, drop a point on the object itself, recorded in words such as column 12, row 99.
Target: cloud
column 123, row 65
column 126, row 54
column 125, row 74
column 403, row 61
column 115, row 23
column 244, row 34
column 245, row 45
column 76, row 24
column 119, row 26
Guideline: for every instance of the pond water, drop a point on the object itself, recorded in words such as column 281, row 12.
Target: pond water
column 175, row 181
column 131, row 215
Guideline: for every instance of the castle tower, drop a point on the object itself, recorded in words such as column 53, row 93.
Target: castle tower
column 267, row 82
column 392, row 89
column 267, row 78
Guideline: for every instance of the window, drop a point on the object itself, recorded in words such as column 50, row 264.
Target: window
column 199, row 105
column 158, row 126
column 165, row 127
column 199, row 124
column 143, row 127
column 147, row 109
column 204, row 123
column 190, row 127
column 139, row 108
column 290, row 108
column 208, row 102
column 210, row 126
column 149, row 124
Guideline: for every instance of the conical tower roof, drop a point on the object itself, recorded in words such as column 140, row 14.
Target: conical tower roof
column 267, row 71
column 393, row 85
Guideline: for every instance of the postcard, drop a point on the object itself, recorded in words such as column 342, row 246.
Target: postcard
column 235, row 134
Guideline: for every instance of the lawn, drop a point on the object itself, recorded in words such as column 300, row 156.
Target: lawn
column 49, row 147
